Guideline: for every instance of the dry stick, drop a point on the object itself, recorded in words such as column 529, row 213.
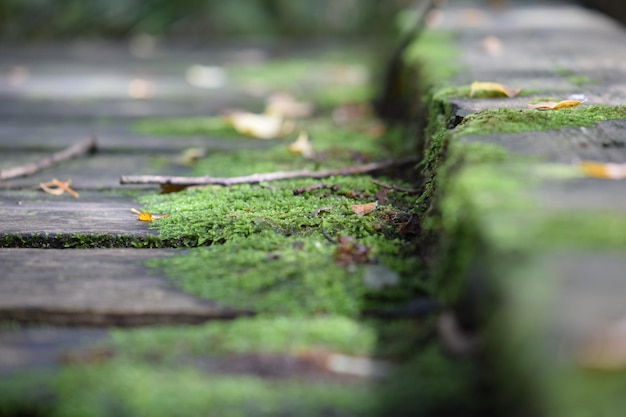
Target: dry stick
column 270, row 176
column 308, row 188
column 80, row 148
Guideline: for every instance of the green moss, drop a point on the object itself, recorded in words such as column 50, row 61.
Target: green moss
column 82, row 241
column 268, row 244
column 580, row 393
column 295, row 275
column 505, row 120
column 219, row 214
column 291, row 335
column 130, row 389
column 434, row 385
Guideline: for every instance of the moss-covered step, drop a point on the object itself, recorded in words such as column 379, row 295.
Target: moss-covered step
column 523, row 236
column 295, row 365
column 103, row 287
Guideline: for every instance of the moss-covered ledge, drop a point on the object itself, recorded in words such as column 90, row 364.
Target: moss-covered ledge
column 495, row 240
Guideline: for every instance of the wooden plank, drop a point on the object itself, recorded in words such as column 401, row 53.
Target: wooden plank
column 34, row 212
column 95, row 287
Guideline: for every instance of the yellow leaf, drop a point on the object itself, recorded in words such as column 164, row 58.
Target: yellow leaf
column 144, row 216
column 302, row 146
column 363, row 209
column 568, row 103
column 489, row 89
column 605, row 171
column 261, row 126
column 553, row 105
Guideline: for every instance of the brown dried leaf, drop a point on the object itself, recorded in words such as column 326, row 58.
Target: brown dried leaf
column 489, row 89
column 172, row 188
column 363, row 209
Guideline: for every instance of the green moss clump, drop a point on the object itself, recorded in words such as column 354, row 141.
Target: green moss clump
column 503, row 120
column 125, row 388
column 434, row 385
column 267, row 244
column 82, row 241
column 294, row 275
column 288, row 335
column 216, row 215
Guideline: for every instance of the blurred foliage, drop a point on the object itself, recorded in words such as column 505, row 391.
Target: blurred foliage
column 53, row 19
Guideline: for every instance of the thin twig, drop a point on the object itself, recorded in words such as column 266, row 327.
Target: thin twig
column 302, row 190
column 266, row 177
column 78, row 149
column 395, row 187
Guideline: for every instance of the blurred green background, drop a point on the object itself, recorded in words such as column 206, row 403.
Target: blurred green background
column 32, row 20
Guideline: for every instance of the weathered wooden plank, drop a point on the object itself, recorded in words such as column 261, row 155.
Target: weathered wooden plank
column 100, row 171
column 95, row 287
column 34, row 212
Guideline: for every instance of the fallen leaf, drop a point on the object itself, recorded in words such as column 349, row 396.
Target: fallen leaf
column 283, row 104
column 261, row 126
column 553, row 105
column 56, row 187
column 172, row 188
column 488, row 89
column 602, row 170
column 144, row 216
column 302, row 146
column 363, row 209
